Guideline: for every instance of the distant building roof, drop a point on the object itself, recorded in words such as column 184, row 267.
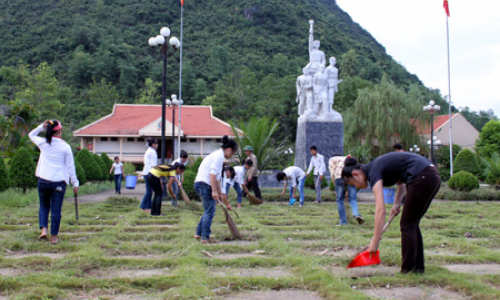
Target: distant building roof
column 439, row 121
column 137, row 120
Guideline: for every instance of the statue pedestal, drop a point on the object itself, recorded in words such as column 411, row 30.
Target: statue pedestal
column 327, row 135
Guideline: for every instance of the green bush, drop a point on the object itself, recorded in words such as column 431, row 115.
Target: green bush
column 443, row 155
column 196, row 165
column 310, row 181
column 92, row 169
column 484, row 194
column 4, row 176
column 188, row 185
column 102, row 167
column 109, row 163
column 463, row 181
column 128, row 169
column 467, row 161
column 489, row 139
column 444, row 172
column 80, row 173
column 332, row 185
column 22, row 170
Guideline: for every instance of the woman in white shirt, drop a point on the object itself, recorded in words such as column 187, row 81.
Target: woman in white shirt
column 55, row 168
column 208, row 187
column 297, row 178
column 150, row 161
column 118, row 174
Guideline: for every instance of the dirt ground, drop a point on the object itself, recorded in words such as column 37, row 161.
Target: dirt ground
column 414, row 293
column 275, row 295
column 482, row 269
column 251, row 272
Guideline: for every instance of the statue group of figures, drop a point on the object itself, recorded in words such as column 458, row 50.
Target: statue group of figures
column 317, row 86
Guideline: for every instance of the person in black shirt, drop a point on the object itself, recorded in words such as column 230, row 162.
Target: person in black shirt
column 418, row 179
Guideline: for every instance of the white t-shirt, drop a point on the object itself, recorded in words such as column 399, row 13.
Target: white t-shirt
column 294, row 175
column 150, row 160
column 211, row 165
column 240, row 175
column 118, row 168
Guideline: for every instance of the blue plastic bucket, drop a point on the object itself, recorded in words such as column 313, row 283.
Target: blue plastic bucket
column 130, row 182
column 389, row 195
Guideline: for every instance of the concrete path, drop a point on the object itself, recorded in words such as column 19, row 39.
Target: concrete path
column 138, row 193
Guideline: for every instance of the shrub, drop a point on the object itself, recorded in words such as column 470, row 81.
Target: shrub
column 492, row 169
column 310, row 181
column 489, row 139
column 467, row 161
column 488, row 194
column 92, row 169
column 463, row 181
column 102, row 167
column 443, row 155
column 22, row 170
column 128, row 169
column 109, row 163
column 332, row 184
column 188, row 185
column 4, row 176
column 80, row 173
column 444, row 172
column 196, row 165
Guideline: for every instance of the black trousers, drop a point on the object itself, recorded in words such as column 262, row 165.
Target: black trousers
column 419, row 195
column 254, row 185
column 155, row 184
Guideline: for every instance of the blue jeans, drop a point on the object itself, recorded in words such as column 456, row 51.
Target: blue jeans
column 237, row 188
column 51, row 196
column 205, row 192
column 340, row 190
column 175, row 188
column 300, row 187
column 146, row 200
column 118, row 183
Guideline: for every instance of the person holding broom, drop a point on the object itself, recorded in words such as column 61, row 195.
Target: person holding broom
column 418, row 178
column 208, row 187
column 55, row 168
column 183, row 159
column 154, row 180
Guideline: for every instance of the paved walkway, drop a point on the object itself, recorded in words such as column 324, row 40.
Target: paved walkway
column 138, row 193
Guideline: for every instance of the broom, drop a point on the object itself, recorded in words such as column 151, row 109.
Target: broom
column 184, row 195
column 252, row 199
column 230, row 223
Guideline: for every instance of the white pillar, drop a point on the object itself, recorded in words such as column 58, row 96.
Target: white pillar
column 121, row 148
column 93, row 144
column 201, row 147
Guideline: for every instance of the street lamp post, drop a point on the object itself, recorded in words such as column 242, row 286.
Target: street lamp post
column 173, row 102
column 415, row 149
column 431, row 108
column 159, row 40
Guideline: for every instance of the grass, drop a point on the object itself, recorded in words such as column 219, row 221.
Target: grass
column 15, row 197
column 95, row 250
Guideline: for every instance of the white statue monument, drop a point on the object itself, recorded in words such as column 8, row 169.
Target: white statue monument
column 304, row 92
column 317, row 86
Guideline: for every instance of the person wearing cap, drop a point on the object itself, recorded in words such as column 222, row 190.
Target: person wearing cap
column 183, row 160
column 55, row 170
column 335, row 165
column 253, row 172
column 318, row 163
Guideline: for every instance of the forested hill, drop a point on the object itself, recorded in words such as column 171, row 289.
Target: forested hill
column 240, row 56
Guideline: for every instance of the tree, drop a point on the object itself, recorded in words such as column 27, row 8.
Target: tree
column 443, row 155
column 258, row 133
column 108, row 163
column 92, row 169
column 80, row 173
column 102, row 167
column 381, row 113
column 4, row 176
column 492, row 171
column 350, row 65
column 467, row 161
column 478, row 120
column 489, row 139
column 150, row 93
column 22, row 171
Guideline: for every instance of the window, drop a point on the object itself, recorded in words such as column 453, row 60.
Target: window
column 104, row 139
column 192, row 140
column 183, row 139
column 114, row 139
column 140, row 139
column 218, row 141
column 130, row 139
column 208, row 140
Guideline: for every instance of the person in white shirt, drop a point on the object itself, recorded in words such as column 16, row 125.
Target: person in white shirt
column 239, row 179
column 227, row 180
column 183, row 160
column 318, row 163
column 55, row 170
column 295, row 178
column 208, row 187
column 150, row 161
column 118, row 174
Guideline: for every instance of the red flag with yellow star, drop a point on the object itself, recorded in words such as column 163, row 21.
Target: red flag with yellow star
column 445, row 5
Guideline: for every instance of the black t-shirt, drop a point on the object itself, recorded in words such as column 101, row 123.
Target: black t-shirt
column 395, row 167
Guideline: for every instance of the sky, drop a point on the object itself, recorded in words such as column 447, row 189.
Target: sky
column 414, row 34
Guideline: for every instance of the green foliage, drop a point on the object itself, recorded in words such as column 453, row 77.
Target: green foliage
column 489, row 139
column 468, row 162
column 478, row 119
column 332, row 185
column 102, row 167
column 463, row 181
column 444, row 172
column 188, row 184
column 382, row 112
column 258, row 133
column 310, row 181
column 196, row 165
column 80, row 173
column 4, row 176
column 92, row 169
column 481, row 194
column 129, row 169
column 443, row 155
column 492, row 170
column 361, row 153
column 109, row 163
column 22, row 171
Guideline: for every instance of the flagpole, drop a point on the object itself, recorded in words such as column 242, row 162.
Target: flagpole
column 449, row 94
column 180, row 79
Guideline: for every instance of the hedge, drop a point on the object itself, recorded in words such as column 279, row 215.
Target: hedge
column 102, row 167
column 92, row 169
column 4, row 176
column 22, row 170
column 80, row 173
column 468, row 162
column 188, row 185
column 463, row 181
column 109, row 163
column 485, row 194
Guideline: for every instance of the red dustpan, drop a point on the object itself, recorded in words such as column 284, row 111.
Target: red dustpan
column 365, row 259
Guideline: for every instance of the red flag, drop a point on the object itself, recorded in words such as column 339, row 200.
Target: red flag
column 182, row 2
column 445, row 5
